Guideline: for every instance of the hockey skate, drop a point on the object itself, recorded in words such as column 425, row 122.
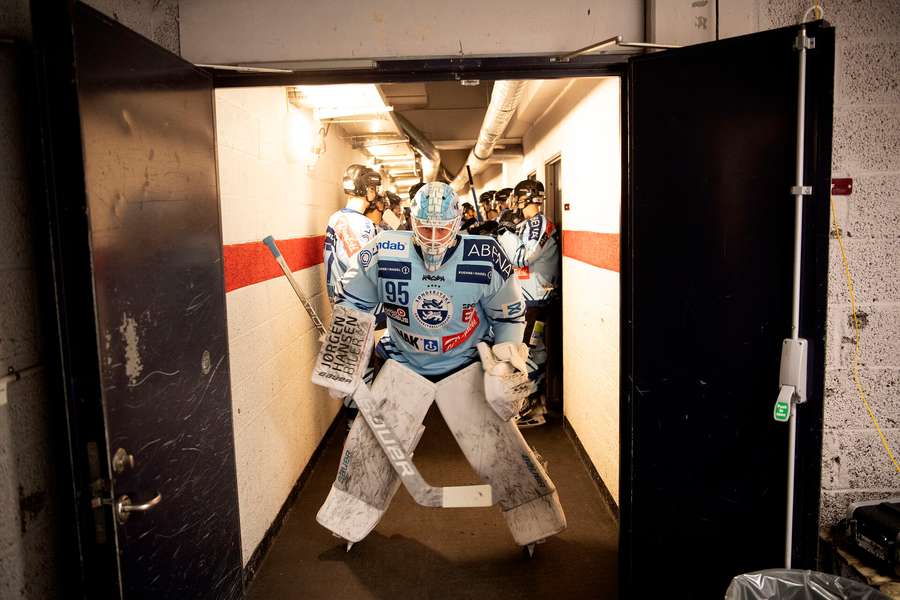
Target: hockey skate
column 533, row 412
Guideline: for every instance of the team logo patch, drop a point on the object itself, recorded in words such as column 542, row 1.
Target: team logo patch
column 394, row 269
column 397, row 313
column 469, row 273
column 393, row 248
column 433, row 308
column 364, row 257
column 513, row 309
column 430, row 345
column 488, row 250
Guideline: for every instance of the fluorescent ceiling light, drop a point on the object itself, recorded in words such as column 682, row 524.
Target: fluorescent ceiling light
column 336, row 101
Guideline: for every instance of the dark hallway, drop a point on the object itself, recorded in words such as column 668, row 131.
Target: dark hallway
column 417, row 552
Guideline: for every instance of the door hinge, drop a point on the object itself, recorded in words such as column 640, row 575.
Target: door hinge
column 801, row 190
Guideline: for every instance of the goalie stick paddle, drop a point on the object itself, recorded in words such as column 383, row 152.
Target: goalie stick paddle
column 420, row 490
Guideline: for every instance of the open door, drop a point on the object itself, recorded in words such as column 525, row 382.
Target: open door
column 708, row 254
column 129, row 158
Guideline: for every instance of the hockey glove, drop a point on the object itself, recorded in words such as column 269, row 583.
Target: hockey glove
column 506, row 383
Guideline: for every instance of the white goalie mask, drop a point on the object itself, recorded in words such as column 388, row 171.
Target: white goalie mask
column 435, row 217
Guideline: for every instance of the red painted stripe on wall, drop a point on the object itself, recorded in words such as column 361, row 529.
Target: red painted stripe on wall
column 246, row 264
column 598, row 249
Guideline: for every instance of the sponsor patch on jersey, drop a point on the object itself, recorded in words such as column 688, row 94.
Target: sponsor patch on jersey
column 513, row 309
column 419, row 342
column 432, row 277
column 432, row 308
column 534, row 228
column 488, row 250
column 469, row 273
column 393, row 248
column 523, row 273
column 449, row 342
column 394, row 269
column 364, row 257
column 397, row 313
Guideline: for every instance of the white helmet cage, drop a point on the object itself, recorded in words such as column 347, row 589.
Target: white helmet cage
column 435, row 216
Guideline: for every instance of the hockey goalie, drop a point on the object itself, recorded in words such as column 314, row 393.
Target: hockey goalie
column 455, row 321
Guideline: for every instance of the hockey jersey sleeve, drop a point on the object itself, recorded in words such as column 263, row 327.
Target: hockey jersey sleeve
column 528, row 244
column 504, row 308
column 358, row 287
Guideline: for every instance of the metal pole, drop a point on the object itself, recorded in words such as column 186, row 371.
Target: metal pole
column 802, row 42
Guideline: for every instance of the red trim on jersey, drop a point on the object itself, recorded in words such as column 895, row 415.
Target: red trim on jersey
column 246, row 264
column 597, row 249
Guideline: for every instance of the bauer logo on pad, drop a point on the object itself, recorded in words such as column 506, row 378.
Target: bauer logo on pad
column 345, row 350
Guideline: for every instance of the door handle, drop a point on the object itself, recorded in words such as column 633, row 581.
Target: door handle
column 124, row 506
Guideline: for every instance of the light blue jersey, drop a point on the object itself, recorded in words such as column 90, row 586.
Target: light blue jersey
column 435, row 319
column 534, row 252
column 347, row 232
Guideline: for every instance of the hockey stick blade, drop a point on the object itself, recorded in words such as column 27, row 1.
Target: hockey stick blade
column 421, row 491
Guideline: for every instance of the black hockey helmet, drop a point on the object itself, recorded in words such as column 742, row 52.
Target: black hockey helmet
column 502, row 196
column 359, row 178
column 529, row 191
column 487, row 197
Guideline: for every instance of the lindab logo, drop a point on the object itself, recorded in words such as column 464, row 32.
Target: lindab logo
column 393, row 248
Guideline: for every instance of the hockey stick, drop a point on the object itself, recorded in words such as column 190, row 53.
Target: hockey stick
column 421, row 491
column 474, row 196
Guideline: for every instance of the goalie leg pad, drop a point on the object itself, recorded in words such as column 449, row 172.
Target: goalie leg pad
column 366, row 482
column 501, row 457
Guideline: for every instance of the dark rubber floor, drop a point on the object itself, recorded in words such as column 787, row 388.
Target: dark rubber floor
column 429, row 553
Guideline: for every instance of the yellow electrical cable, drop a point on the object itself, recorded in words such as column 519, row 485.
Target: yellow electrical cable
column 855, row 363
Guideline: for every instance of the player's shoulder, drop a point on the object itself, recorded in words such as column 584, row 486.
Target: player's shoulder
column 389, row 249
column 484, row 248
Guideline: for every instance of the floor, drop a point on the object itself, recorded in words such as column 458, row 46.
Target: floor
column 430, row 553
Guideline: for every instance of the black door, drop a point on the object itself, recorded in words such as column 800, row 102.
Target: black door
column 134, row 214
column 708, row 255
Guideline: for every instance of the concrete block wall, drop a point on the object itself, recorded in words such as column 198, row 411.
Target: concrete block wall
column 866, row 148
column 268, row 188
column 30, row 519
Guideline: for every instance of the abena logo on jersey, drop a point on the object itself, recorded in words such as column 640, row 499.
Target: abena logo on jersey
column 392, row 249
column 433, row 308
column 425, row 344
column 490, row 251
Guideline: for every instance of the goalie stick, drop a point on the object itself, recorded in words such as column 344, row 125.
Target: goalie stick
column 421, row 491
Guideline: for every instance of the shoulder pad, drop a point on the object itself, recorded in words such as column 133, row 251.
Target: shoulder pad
column 486, row 249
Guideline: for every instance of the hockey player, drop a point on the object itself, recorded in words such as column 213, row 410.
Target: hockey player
column 534, row 251
column 349, row 229
column 443, row 294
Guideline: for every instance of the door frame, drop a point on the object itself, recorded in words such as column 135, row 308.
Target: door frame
column 72, row 377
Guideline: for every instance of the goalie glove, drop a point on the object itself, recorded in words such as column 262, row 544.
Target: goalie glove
column 506, row 383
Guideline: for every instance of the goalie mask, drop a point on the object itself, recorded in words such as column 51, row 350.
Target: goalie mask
column 435, row 216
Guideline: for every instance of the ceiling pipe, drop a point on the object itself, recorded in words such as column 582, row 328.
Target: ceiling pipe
column 421, row 143
column 504, row 102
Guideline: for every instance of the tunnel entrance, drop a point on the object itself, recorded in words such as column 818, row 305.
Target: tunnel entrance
column 282, row 152
column 140, row 274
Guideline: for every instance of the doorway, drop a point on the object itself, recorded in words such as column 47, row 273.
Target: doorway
column 273, row 183
column 645, row 478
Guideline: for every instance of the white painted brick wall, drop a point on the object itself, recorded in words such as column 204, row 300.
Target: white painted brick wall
column 279, row 416
column 866, row 148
